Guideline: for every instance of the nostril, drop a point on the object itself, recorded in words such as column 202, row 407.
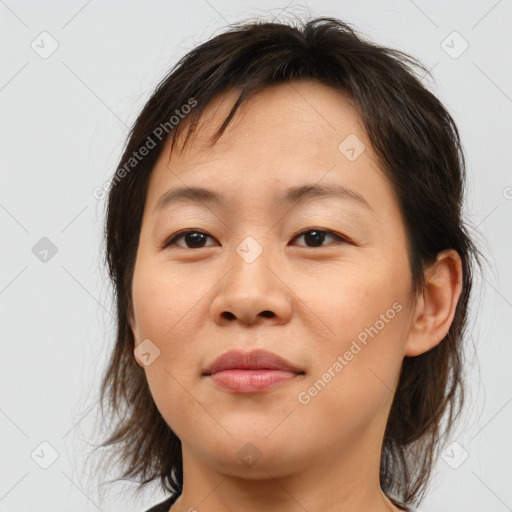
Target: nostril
column 231, row 316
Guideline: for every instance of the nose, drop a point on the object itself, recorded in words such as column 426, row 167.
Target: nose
column 253, row 292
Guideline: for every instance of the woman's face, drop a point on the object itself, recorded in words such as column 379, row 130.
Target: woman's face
column 321, row 280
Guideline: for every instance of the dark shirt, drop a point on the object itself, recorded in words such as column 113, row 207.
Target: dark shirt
column 165, row 505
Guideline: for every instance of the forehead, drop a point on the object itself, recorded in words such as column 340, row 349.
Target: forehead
column 284, row 135
column 291, row 110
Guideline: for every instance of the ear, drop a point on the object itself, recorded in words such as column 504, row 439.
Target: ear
column 435, row 306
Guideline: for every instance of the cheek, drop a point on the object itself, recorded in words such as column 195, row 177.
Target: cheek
column 169, row 313
column 362, row 298
column 163, row 304
column 356, row 369
column 353, row 380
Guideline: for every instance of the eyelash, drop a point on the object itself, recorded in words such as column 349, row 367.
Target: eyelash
column 172, row 240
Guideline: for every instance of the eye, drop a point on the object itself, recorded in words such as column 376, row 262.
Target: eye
column 193, row 238
column 316, row 237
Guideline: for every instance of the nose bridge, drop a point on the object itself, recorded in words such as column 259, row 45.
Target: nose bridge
column 250, row 275
column 250, row 262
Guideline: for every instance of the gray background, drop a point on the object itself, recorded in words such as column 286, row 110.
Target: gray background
column 65, row 117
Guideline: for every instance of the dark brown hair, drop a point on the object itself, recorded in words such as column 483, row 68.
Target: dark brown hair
column 418, row 147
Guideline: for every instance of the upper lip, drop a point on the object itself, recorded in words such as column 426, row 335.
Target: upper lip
column 254, row 360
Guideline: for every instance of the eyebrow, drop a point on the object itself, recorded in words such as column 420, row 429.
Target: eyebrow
column 295, row 194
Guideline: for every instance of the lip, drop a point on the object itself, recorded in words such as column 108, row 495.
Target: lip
column 249, row 372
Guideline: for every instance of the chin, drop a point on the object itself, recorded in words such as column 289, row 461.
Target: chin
column 255, row 460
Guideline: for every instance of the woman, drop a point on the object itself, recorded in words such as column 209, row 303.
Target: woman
column 292, row 275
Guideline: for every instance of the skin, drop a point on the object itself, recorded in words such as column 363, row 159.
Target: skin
column 319, row 456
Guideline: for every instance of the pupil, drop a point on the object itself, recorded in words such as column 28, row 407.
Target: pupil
column 316, row 237
column 195, row 239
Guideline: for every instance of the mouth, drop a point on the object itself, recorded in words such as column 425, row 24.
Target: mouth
column 250, row 372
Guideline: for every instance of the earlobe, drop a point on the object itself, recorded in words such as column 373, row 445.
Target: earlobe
column 436, row 306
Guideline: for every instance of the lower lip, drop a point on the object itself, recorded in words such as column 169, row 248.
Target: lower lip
column 250, row 381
